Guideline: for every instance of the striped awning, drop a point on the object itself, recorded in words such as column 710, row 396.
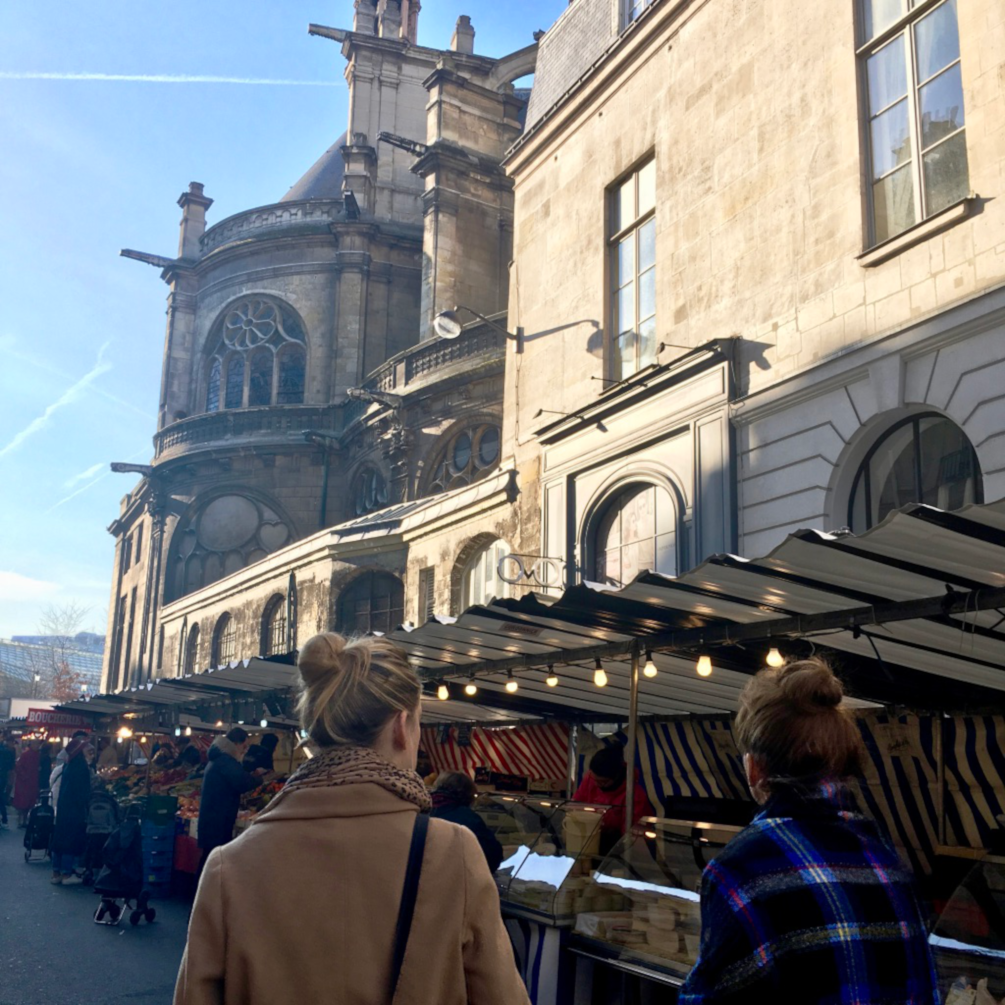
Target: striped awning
column 948, row 655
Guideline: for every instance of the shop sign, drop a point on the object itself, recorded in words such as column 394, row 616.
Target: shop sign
column 48, row 718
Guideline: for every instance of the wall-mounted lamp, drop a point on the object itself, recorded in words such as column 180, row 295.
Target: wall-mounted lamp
column 447, row 324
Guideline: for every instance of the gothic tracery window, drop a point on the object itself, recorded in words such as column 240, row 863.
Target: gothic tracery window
column 469, row 456
column 224, row 535
column 257, row 356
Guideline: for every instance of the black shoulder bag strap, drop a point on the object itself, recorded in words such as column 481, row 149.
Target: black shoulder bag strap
column 408, row 895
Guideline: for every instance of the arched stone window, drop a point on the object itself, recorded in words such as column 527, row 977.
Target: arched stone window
column 470, row 455
column 224, row 641
column 368, row 492
column 274, row 626
column 925, row 458
column 372, row 602
column 191, row 663
column 224, row 535
column 636, row 531
column 481, row 582
column 256, row 356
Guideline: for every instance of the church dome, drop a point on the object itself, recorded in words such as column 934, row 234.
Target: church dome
column 323, row 179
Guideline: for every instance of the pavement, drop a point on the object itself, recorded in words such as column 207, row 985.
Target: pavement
column 52, row 952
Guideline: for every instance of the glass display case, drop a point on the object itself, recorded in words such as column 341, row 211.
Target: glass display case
column 550, row 849
column 968, row 941
column 648, row 886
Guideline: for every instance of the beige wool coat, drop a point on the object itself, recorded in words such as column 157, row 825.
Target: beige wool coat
column 302, row 908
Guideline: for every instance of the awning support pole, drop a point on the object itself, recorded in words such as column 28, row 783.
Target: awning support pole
column 573, row 763
column 940, row 761
column 633, row 727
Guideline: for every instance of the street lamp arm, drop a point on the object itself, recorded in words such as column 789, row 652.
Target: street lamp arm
column 448, row 325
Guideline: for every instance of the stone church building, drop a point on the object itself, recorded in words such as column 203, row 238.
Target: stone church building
column 737, row 275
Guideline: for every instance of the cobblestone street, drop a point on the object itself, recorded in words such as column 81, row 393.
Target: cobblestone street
column 52, row 953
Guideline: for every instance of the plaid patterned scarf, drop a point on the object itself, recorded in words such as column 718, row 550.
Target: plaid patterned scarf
column 353, row 766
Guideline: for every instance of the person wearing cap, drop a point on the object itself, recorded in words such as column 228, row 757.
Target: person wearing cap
column 69, row 836
column 606, row 784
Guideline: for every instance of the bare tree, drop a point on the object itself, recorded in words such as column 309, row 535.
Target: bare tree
column 59, row 624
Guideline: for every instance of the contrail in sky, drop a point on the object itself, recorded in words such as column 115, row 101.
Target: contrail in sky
column 66, row 398
column 163, row 78
column 106, row 471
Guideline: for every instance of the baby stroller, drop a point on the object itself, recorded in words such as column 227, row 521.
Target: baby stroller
column 102, row 819
column 38, row 833
column 121, row 876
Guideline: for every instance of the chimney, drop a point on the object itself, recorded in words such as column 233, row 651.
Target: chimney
column 193, row 219
column 464, row 36
column 364, row 19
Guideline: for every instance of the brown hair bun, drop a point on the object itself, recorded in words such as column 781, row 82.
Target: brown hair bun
column 793, row 719
column 810, row 685
column 351, row 688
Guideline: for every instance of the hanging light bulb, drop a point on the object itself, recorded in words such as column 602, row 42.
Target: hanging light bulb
column 704, row 667
column 471, row 688
column 600, row 675
column 443, row 692
column 188, row 730
column 177, row 731
column 774, row 658
column 650, row 668
column 552, row 679
column 511, row 684
column 264, row 723
column 219, row 722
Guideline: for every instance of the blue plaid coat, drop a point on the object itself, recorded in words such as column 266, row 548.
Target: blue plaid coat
column 810, row 906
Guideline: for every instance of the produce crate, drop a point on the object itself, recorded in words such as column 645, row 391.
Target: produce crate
column 160, row 810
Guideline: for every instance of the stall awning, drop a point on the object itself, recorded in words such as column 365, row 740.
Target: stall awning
column 915, row 609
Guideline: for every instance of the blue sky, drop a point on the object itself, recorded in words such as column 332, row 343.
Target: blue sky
column 91, row 166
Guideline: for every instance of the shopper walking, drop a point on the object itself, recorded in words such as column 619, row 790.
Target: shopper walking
column 26, row 781
column 328, row 859
column 223, row 785
column 69, row 837
column 8, row 759
column 809, row 903
column 453, row 794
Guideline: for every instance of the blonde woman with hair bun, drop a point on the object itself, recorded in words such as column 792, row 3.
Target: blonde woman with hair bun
column 343, row 891
column 810, row 903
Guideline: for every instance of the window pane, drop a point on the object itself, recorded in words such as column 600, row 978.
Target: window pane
column 624, row 204
column 235, row 383
column 647, row 342
column 292, row 364
column 638, row 515
column 647, row 244
column 937, row 40
column 893, row 203
column 887, row 72
column 626, row 308
column 891, row 140
column 647, row 188
column 666, row 554
column 626, row 260
column 892, row 472
column 880, row 14
column 624, row 361
column 213, row 389
column 488, row 447
column 941, row 107
column 948, row 464
column 647, row 294
column 260, row 387
column 462, row 452
column 947, row 179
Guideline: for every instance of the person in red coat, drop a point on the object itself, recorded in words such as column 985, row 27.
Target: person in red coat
column 605, row 784
column 26, row 782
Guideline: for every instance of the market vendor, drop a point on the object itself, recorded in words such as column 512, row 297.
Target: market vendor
column 261, row 754
column 605, row 785
column 223, row 785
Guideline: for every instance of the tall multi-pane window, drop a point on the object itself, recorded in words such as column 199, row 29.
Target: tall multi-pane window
column 917, row 140
column 632, row 245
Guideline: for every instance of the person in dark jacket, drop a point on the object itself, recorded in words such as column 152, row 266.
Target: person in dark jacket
column 809, row 903
column 223, row 785
column 261, row 754
column 453, row 795
column 69, row 837
column 8, row 758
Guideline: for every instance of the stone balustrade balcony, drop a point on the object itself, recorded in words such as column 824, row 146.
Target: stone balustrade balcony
column 306, row 215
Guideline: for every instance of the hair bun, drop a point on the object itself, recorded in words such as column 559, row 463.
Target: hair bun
column 811, row 685
column 320, row 656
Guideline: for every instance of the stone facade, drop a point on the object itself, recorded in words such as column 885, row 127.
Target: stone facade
column 303, row 388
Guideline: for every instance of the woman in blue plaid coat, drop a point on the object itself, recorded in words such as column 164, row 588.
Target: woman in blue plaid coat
column 809, row 904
